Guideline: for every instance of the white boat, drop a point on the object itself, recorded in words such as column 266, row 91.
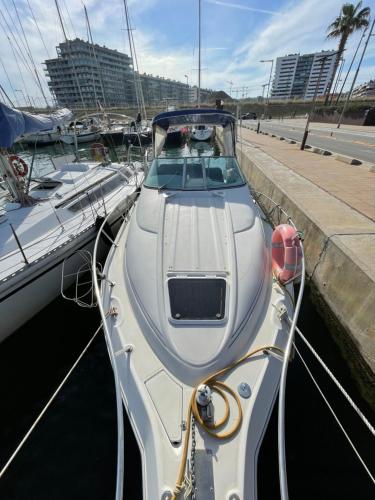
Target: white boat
column 44, row 222
column 201, row 133
column 195, row 332
column 45, row 137
column 80, row 135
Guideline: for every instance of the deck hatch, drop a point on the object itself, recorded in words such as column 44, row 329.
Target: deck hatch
column 197, row 298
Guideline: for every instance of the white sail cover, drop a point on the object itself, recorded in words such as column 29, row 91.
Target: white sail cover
column 14, row 123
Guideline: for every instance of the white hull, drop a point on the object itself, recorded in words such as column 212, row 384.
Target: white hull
column 42, row 138
column 156, row 385
column 62, row 221
column 41, row 284
column 81, row 138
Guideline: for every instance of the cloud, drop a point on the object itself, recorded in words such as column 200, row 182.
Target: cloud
column 216, row 48
column 244, row 7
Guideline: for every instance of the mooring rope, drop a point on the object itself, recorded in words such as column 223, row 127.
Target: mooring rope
column 335, row 417
column 337, row 383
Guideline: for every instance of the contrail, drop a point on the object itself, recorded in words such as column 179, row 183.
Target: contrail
column 244, row 7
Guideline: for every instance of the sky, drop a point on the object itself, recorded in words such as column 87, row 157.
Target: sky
column 236, row 35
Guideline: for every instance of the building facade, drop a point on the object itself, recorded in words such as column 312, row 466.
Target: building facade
column 205, row 95
column 297, row 76
column 83, row 75
column 157, row 89
column 364, row 90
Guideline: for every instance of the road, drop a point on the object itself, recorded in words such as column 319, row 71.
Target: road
column 356, row 143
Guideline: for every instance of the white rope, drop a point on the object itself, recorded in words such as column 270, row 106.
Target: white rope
column 13, row 456
column 340, row 387
column 284, row 494
column 335, row 417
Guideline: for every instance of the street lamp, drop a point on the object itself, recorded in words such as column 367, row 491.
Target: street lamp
column 322, row 61
column 356, row 74
column 269, row 82
column 264, row 109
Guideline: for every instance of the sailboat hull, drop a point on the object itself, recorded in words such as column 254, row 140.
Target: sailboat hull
column 40, row 283
column 81, row 138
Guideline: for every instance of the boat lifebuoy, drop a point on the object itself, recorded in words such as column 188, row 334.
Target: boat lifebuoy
column 19, row 165
column 286, row 253
column 98, row 151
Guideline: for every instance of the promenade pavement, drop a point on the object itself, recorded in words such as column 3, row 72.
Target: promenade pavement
column 353, row 185
column 301, row 122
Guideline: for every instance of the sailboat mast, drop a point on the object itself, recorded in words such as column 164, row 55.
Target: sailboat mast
column 131, row 52
column 199, row 53
column 61, row 22
column 95, row 57
column 133, row 55
column 70, row 52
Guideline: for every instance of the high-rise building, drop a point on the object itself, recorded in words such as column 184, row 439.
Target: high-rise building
column 297, row 76
column 83, row 75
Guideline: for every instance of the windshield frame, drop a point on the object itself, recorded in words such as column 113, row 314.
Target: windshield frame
column 204, row 161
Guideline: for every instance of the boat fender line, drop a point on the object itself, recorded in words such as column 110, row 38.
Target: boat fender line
column 18, row 165
column 286, row 253
column 210, row 427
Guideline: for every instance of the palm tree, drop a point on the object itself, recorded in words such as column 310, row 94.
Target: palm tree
column 351, row 18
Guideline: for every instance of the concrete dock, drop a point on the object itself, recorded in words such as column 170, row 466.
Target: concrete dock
column 333, row 203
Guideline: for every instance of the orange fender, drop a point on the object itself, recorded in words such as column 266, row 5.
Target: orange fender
column 286, row 253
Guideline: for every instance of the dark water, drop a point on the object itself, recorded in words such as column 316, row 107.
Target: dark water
column 72, row 452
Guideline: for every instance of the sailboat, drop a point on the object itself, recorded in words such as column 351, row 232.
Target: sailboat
column 81, row 131
column 197, row 283
column 46, row 220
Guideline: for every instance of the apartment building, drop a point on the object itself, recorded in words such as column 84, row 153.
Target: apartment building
column 300, row 76
column 83, row 75
column 157, row 89
column 366, row 89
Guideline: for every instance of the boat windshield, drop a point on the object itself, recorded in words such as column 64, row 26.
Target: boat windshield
column 196, row 173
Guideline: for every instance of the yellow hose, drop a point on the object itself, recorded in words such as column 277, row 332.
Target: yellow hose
column 211, row 428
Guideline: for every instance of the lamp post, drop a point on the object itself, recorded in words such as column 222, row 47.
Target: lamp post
column 351, row 64
column 338, row 80
column 269, row 81
column 263, row 87
column 356, row 74
column 322, row 61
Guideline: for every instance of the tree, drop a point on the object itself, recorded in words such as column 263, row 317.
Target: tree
column 351, row 18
